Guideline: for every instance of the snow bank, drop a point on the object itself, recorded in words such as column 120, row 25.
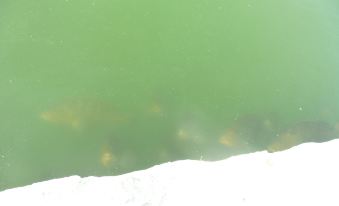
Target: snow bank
column 304, row 175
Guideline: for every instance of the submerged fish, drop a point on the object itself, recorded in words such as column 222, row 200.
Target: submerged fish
column 249, row 131
column 230, row 138
column 107, row 158
column 308, row 131
column 156, row 109
column 80, row 114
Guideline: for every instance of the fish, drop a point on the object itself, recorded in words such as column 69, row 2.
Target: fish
column 230, row 138
column 156, row 109
column 189, row 140
column 107, row 158
column 301, row 132
column 248, row 131
column 82, row 113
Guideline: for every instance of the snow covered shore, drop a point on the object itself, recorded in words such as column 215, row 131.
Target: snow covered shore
column 304, row 175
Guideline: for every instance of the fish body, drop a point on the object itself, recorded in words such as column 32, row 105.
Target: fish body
column 80, row 114
column 107, row 158
column 248, row 131
column 307, row 131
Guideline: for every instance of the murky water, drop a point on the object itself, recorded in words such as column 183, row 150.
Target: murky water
column 100, row 87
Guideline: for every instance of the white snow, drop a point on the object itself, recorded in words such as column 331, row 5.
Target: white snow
column 304, row 175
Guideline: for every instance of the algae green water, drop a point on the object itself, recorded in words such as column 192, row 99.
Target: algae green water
column 98, row 87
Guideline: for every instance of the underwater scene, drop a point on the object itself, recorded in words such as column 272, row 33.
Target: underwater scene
column 99, row 87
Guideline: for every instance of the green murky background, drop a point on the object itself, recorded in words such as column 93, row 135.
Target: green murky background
column 176, row 73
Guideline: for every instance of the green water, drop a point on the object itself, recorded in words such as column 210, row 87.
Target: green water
column 146, row 82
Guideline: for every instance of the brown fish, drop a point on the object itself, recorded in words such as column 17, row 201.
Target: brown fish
column 307, row 131
column 248, row 131
column 107, row 158
column 80, row 114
